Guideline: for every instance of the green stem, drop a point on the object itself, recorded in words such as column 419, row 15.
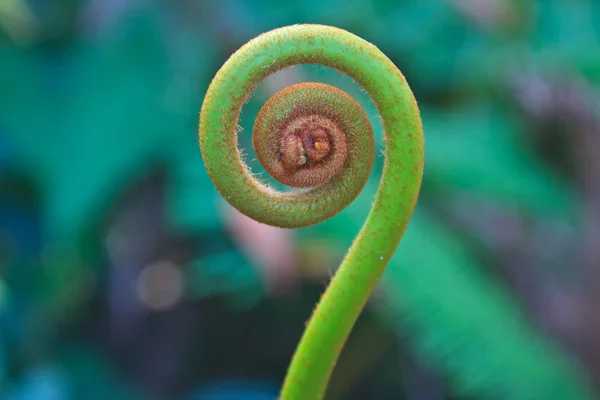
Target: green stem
column 367, row 258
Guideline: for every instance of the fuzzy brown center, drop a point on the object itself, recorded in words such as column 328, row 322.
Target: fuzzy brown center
column 304, row 146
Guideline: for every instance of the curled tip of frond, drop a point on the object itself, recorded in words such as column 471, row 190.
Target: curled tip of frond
column 300, row 134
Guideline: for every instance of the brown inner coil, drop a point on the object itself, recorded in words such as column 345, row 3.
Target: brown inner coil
column 311, row 150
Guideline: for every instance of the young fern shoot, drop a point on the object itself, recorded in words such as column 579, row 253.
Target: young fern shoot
column 316, row 137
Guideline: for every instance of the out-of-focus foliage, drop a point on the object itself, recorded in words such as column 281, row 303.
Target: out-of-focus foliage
column 122, row 276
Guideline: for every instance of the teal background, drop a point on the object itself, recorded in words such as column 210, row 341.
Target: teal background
column 123, row 274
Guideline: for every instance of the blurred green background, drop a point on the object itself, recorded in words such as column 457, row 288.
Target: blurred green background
column 123, row 275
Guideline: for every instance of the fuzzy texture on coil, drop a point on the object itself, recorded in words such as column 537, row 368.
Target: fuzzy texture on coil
column 309, row 133
column 352, row 285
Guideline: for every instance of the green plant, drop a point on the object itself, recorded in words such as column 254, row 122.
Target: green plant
column 313, row 135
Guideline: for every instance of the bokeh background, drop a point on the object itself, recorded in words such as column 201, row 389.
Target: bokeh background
column 123, row 275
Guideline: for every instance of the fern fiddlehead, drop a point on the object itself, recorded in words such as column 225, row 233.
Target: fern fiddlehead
column 316, row 137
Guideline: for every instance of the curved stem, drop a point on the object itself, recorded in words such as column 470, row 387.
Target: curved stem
column 367, row 258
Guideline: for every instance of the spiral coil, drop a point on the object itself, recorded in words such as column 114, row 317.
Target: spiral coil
column 315, row 137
